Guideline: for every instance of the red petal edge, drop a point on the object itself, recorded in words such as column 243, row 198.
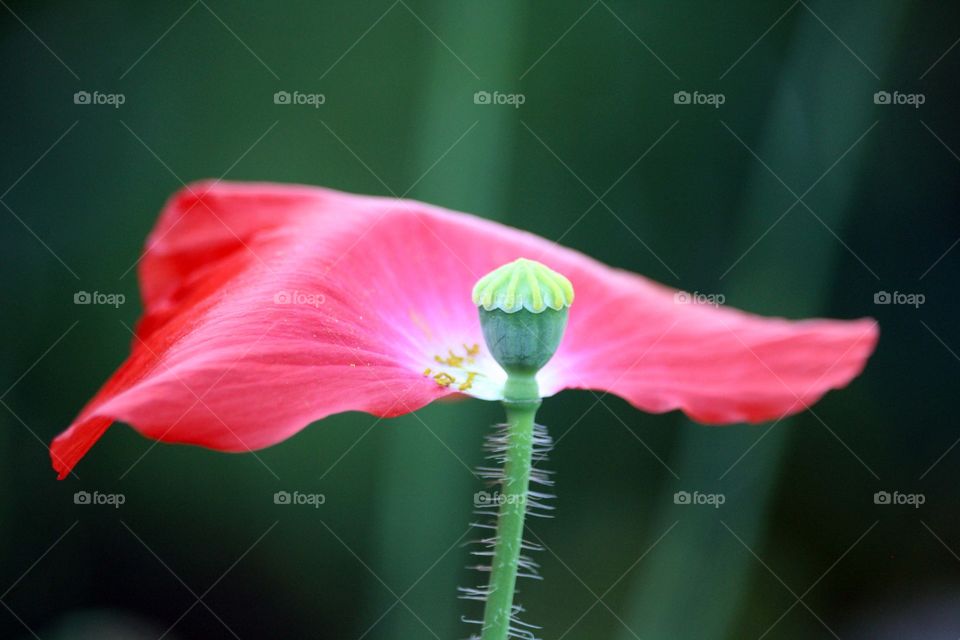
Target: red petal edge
column 375, row 288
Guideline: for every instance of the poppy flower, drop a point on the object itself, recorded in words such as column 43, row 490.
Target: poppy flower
column 268, row 307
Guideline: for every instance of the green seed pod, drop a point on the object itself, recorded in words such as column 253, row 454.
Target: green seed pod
column 523, row 341
column 523, row 312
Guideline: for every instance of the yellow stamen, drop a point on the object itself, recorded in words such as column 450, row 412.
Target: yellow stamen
column 444, row 379
column 427, row 371
column 468, row 383
column 453, row 360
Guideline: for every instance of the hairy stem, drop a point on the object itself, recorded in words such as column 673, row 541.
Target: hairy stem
column 513, row 506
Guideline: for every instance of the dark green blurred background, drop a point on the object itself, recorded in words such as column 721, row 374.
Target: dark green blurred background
column 701, row 198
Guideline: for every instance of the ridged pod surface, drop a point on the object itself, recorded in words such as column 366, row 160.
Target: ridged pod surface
column 523, row 284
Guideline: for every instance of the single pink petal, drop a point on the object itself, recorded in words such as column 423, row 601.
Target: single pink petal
column 268, row 307
column 718, row 365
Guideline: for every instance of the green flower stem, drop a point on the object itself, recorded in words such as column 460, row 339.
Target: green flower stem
column 521, row 403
